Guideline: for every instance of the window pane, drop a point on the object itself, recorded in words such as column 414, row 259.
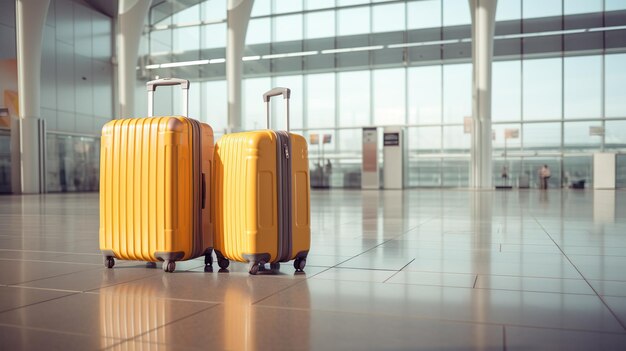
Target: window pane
column 456, row 12
column 613, row 5
column 541, row 136
column 615, row 134
column 354, row 97
column 541, row 8
column 583, row 87
column 351, row 2
column 424, row 95
column 577, row 136
column 353, row 21
column 214, row 36
column 425, row 139
column 214, row 10
column 321, row 100
column 457, row 92
column 512, row 144
column 388, row 18
column 509, row 10
column 186, row 39
column 288, row 28
column 295, row 103
column 389, row 96
column 188, row 15
column 542, row 89
column 253, row 114
column 261, row 8
column 283, row 6
column 320, row 24
column 506, row 100
column 615, row 85
column 215, row 105
column 258, row 31
column 454, row 139
column 319, row 4
column 572, row 7
column 424, row 14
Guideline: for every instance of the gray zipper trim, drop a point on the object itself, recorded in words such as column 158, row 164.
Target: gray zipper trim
column 284, row 186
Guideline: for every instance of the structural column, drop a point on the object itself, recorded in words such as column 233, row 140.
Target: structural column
column 131, row 17
column 30, row 22
column 238, row 18
column 483, row 26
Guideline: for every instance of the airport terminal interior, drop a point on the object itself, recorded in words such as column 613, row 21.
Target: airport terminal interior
column 466, row 170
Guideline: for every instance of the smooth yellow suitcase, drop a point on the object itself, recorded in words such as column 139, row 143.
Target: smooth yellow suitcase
column 155, row 176
column 262, row 196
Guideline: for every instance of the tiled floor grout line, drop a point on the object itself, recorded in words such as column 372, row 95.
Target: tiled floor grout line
column 159, row 327
column 621, row 323
column 398, row 271
column 475, row 281
column 503, row 338
column 46, row 261
column 38, row 302
column 53, row 276
column 416, row 317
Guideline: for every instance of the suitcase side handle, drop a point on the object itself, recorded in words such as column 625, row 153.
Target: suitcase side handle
column 286, row 93
column 153, row 84
column 203, row 191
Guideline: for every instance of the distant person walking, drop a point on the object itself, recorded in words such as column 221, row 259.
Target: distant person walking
column 544, row 174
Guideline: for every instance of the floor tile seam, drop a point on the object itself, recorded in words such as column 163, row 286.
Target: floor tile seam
column 475, row 281
column 503, row 338
column 497, row 275
column 426, row 318
column 47, row 261
column 617, row 318
column 54, row 276
column 177, row 299
column 53, row 252
column 138, row 336
column 400, row 270
column 120, row 283
column 55, row 331
column 37, row 303
column 46, row 289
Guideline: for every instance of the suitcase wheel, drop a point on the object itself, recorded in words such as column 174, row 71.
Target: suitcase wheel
column 150, row 264
column 223, row 262
column 208, row 260
column 255, row 267
column 109, row 261
column 299, row 264
column 169, row 266
column 275, row 266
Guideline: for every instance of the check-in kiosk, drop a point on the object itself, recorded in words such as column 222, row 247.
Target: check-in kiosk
column 394, row 158
column 369, row 167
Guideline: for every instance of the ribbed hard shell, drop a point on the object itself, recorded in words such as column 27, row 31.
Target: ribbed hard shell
column 147, row 191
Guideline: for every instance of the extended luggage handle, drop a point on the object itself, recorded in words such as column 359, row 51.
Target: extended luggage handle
column 286, row 93
column 153, row 84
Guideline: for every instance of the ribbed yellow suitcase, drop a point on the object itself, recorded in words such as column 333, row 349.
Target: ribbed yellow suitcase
column 262, row 196
column 155, row 176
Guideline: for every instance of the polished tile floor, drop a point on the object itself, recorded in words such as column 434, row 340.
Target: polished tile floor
column 420, row 269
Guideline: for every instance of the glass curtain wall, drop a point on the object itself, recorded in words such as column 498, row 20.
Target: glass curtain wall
column 558, row 73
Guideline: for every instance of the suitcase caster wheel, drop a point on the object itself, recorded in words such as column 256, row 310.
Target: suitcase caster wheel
column 109, row 262
column 254, row 268
column 169, row 266
column 275, row 266
column 208, row 260
column 262, row 266
column 299, row 264
column 150, row 264
column 223, row 262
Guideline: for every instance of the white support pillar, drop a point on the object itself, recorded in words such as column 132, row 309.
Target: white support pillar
column 238, row 17
column 483, row 26
column 30, row 22
column 130, row 19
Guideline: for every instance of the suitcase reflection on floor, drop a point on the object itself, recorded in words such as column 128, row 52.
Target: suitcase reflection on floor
column 251, row 327
column 130, row 310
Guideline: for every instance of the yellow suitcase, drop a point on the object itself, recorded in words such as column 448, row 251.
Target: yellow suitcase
column 155, row 176
column 262, row 196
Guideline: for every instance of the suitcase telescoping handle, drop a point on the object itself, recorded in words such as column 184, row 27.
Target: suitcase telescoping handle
column 153, row 84
column 286, row 93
